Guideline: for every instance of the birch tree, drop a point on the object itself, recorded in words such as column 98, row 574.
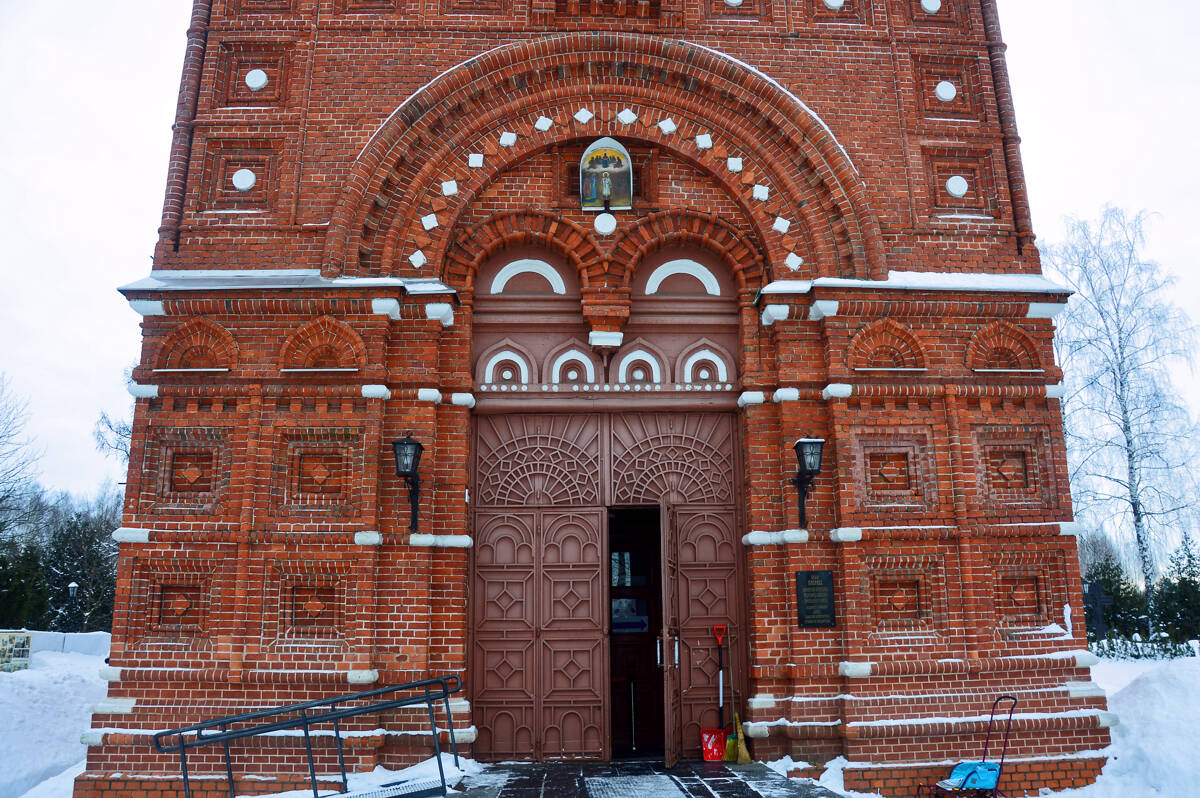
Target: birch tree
column 17, row 463
column 1129, row 437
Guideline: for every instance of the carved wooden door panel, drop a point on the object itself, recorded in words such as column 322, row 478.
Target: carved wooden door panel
column 573, row 641
column 706, row 541
column 539, row 656
column 669, row 642
column 504, row 624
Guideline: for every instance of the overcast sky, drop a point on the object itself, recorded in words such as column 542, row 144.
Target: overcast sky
column 1106, row 93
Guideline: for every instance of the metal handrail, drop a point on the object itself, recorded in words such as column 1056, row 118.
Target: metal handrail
column 212, row 732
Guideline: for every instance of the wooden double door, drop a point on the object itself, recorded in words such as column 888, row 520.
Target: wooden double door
column 543, row 571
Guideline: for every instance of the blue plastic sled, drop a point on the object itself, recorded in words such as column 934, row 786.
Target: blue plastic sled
column 977, row 779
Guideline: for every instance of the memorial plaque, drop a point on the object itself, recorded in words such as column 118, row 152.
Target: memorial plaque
column 814, row 599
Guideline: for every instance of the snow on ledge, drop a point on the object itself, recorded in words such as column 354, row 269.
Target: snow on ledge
column 928, row 281
column 362, row 676
column 241, row 279
column 759, row 538
column 855, row 670
column 129, row 535
column 441, row 541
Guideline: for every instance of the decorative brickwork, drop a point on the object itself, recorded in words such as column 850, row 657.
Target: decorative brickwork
column 374, row 228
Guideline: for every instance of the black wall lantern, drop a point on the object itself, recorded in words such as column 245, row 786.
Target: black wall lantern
column 808, row 455
column 408, row 459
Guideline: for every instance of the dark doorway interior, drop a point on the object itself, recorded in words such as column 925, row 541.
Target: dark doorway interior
column 635, row 593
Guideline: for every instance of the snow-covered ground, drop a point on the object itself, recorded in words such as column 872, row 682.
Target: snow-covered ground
column 1155, row 753
column 43, row 710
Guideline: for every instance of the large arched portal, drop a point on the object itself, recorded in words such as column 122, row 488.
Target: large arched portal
column 606, row 508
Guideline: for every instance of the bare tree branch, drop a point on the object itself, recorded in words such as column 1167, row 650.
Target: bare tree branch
column 1130, row 441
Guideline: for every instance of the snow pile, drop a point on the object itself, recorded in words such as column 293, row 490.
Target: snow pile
column 44, row 710
column 421, row 772
column 1154, row 749
column 93, row 643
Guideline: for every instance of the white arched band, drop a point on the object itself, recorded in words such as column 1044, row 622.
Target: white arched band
column 635, row 356
column 700, row 357
column 683, row 266
column 500, row 357
column 528, row 266
column 568, row 357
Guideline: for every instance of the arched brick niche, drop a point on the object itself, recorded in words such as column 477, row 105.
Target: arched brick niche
column 197, row 344
column 447, row 143
column 323, row 344
column 1001, row 346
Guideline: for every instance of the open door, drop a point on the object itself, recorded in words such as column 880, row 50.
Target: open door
column 669, row 640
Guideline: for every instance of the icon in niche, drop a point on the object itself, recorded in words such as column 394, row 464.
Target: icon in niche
column 606, row 177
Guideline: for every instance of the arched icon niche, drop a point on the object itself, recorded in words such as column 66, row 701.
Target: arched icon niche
column 606, row 177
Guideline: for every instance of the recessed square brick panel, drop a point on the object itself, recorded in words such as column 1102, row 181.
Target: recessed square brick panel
column 756, row 10
column 973, row 165
column 180, row 606
column 895, row 466
column 931, row 70
column 192, row 472
column 1011, row 464
column 852, row 11
column 322, row 473
column 238, row 58
column 227, row 157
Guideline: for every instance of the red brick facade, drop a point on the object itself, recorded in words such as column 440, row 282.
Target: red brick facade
column 807, row 160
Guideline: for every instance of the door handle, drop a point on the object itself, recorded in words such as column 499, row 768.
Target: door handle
column 676, row 651
column 658, row 652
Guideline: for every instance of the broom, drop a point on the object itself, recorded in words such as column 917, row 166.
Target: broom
column 735, row 744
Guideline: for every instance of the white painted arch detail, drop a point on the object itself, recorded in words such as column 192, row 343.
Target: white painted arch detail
column 572, row 355
column 506, row 354
column 702, row 356
column 636, row 356
column 528, row 266
column 683, row 266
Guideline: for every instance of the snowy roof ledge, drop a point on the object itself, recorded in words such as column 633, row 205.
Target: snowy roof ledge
column 277, row 280
column 925, row 281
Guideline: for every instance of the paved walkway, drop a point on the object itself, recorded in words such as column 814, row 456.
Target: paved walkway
column 636, row 779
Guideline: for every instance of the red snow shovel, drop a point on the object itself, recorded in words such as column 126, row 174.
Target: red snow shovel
column 712, row 741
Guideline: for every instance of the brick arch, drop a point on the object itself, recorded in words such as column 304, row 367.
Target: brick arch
column 885, row 344
column 1001, row 346
column 397, row 181
column 475, row 244
column 323, row 342
column 198, row 343
column 675, row 227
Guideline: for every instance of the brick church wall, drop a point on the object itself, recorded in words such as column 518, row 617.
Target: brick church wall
column 265, row 556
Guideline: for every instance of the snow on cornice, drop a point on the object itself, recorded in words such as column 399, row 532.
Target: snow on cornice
column 926, row 281
column 240, row 279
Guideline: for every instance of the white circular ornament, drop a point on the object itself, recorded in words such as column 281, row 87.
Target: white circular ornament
column 256, row 79
column 931, row 6
column 835, row 5
column 605, row 224
column 958, row 186
column 946, row 91
column 244, row 179
column 734, row 3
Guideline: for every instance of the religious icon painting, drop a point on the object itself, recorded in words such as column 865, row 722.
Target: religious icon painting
column 606, row 177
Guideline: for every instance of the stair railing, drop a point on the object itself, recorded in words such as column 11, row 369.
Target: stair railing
column 220, row 731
